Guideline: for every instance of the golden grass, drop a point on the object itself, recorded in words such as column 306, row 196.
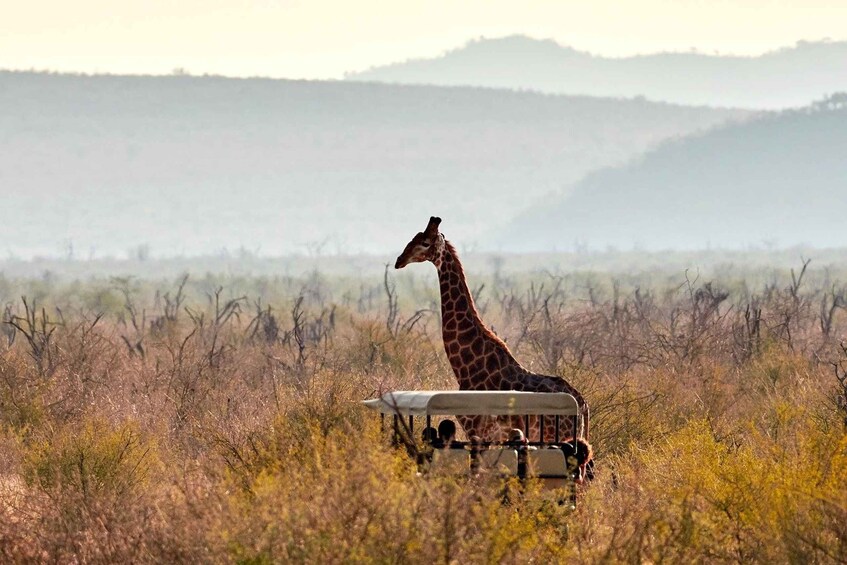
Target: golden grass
column 212, row 432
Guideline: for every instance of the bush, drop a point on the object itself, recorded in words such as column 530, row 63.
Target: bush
column 86, row 490
column 185, row 428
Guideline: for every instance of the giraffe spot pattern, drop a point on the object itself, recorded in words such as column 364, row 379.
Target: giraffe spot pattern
column 491, row 363
column 467, row 357
column 481, row 362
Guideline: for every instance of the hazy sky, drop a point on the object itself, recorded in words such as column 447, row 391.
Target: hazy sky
column 325, row 38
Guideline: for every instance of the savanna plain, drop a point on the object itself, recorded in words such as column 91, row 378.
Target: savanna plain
column 152, row 416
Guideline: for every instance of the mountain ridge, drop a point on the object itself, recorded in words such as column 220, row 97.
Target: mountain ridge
column 786, row 77
column 773, row 180
column 191, row 165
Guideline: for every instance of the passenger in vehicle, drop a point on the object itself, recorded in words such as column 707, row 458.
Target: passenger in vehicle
column 424, row 456
column 446, row 434
column 429, row 435
column 580, row 461
column 516, row 436
column 518, row 440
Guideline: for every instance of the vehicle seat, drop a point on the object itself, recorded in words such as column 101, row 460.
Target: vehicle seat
column 501, row 460
column 547, row 463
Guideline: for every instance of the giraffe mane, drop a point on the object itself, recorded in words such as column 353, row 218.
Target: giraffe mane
column 486, row 331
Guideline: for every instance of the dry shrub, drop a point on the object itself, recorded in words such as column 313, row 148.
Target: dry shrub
column 694, row 498
column 187, row 426
column 21, row 393
column 84, row 493
column 343, row 497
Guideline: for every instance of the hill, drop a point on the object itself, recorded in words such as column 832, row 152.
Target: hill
column 776, row 180
column 788, row 77
column 94, row 165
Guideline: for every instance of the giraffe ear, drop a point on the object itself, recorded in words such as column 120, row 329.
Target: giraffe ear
column 432, row 226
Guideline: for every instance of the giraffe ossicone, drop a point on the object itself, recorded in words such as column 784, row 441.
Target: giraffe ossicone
column 481, row 360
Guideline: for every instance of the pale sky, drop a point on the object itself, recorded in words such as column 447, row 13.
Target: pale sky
column 325, row 38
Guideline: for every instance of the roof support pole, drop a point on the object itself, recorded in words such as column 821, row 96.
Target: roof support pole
column 557, row 429
column 541, row 430
column 574, row 434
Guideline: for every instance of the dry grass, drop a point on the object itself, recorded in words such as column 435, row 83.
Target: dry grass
column 197, row 424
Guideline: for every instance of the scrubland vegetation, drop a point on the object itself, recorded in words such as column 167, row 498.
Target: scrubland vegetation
column 218, row 419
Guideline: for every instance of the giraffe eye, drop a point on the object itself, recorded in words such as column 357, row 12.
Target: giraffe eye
column 426, row 244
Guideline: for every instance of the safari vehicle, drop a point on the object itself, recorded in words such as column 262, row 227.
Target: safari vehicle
column 551, row 462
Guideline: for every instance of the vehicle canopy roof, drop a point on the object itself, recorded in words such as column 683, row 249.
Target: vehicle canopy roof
column 474, row 402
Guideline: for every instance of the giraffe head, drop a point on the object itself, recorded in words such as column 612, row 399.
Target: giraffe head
column 425, row 246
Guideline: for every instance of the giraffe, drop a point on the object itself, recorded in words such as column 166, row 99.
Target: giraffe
column 481, row 360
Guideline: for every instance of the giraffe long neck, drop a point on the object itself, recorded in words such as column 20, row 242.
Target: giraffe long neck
column 475, row 353
column 457, row 303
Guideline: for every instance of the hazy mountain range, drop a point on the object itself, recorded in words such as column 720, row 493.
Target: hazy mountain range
column 778, row 180
column 789, row 77
column 94, row 165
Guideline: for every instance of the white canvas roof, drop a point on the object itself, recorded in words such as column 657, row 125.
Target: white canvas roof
column 474, row 402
